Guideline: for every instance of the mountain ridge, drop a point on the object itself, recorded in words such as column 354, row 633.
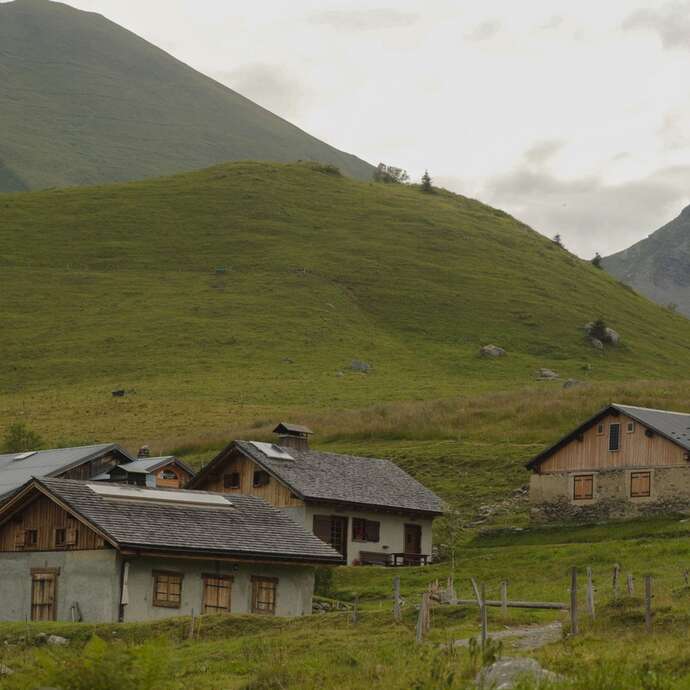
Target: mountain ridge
column 84, row 101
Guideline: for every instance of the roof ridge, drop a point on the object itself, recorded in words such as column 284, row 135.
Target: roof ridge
column 649, row 409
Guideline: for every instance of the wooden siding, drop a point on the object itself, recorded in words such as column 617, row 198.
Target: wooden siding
column 636, row 450
column 45, row 516
column 274, row 492
column 183, row 477
column 92, row 468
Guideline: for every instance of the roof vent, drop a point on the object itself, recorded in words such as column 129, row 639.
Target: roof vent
column 293, row 435
column 24, row 456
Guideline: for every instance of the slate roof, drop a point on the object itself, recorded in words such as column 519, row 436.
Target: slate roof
column 675, row 426
column 148, row 465
column 48, row 463
column 247, row 527
column 334, row 477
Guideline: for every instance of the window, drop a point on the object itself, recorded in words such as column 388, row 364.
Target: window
column 600, row 429
column 231, row 481
column 365, row 530
column 167, row 589
column 264, row 594
column 169, row 474
column 216, row 596
column 261, row 478
column 60, row 536
column 640, row 484
column 614, row 436
column 583, row 487
column 31, row 537
column 630, row 427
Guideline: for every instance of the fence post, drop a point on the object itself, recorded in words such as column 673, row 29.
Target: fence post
column 590, row 594
column 191, row 626
column 504, row 597
column 616, row 574
column 396, row 599
column 686, row 577
column 648, row 603
column 574, row 630
column 484, row 617
column 422, row 618
column 631, row 584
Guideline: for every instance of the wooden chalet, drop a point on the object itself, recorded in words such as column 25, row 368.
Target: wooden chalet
column 166, row 472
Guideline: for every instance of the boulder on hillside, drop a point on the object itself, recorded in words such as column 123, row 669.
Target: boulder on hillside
column 492, row 351
column 598, row 330
column 596, row 343
column 547, row 374
column 509, row 672
column 612, row 337
column 571, row 383
column 360, row 366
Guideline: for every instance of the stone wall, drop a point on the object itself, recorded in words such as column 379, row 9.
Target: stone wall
column 552, row 495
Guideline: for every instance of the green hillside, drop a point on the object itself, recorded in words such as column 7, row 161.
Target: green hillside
column 222, row 299
column 84, row 101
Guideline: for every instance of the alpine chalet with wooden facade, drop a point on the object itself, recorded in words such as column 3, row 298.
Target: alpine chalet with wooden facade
column 622, row 462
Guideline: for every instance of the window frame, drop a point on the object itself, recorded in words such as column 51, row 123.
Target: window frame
column 174, row 477
column 60, row 544
column 630, row 427
column 601, row 428
column 166, row 603
column 30, row 542
column 258, row 584
column 226, row 483
column 366, row 531
column 636, row 475
column 590, row 496
column 265, row 479
column 618, row 437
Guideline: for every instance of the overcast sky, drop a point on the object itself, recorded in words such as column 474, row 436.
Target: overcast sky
column 573, row 116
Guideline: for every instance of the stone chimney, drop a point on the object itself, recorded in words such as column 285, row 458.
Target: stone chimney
column 293, row 436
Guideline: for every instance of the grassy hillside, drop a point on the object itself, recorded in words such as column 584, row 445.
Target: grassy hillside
column 659, row 265
column 226, row 299
column 83, row 101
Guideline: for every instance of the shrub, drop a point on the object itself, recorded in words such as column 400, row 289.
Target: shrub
column 426, row 182
column 598, row 331
column 19, row 438
column 596, row 261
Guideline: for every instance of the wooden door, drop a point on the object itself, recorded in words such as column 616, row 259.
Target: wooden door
column 413, row 539
column 43, row 596
column 217, row 594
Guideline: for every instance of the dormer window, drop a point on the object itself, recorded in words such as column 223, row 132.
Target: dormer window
column 261, row 478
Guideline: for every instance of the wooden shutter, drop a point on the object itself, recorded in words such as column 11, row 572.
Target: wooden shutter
column 640, row 484
column 72, row 536
column 43, row 596
column 167, row 589
column 583, row 487
column 19, row 538
column 264, row 594
column 217, row 594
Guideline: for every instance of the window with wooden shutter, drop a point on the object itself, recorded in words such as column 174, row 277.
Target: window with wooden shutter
column 72, row 536
column 167, row 589
column 60, row 536
column 19, row 537
column 216, row 595
column 614, row 436
column 640, row 484
column 264, row 591
column 583, row 487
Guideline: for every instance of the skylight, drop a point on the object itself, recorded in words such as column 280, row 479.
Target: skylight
column 132, row 493
column 24, row 456
column 270, row 450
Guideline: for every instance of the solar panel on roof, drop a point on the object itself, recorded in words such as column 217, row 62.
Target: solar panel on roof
column 24, row 456
column 132, row 493
column 271, row 450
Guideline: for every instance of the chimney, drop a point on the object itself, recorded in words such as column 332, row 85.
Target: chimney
column 144, row 452
column 293, row 436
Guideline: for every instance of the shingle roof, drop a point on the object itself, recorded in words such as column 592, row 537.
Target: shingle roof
column 674, row 426
column 46, row 463
column 246, row 527
column 334, row 477
column 292, row 428
column 148, row 465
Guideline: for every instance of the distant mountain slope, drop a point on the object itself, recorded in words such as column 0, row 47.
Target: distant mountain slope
column 250, row 289
column 658, row 266
column 84, row 101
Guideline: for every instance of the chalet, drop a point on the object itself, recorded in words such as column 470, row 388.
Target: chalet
column 165, row 472
column 102, row 552
column 84, row 462
column 624, row 461
column 369, row 510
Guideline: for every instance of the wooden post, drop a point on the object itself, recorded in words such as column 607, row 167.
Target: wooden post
column 574, row 629
column 191, row 626
column 422, row 619
column 504, row 597
column 397, row 613
column 648, row 603
column 631, row 584
column 484, row 617
column 616, row 575
column 590, row 594
column 686, row 577
column 477, row 595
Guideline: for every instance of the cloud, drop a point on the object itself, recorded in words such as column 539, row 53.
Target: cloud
column 675, row 130
column 553, row 23
column 671, row 22
column 365, row 20
column 271, row 86
column 543, row 151
column 485, row 30
column 590, row 214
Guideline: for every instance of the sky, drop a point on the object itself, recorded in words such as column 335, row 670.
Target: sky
column 574, row 117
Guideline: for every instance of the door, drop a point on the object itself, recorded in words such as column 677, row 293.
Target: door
column 333, row 530
column 216, row 595
column 43, row 596
column 413, row 539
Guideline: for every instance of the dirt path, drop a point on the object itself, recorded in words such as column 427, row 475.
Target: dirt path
column 525, row 637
